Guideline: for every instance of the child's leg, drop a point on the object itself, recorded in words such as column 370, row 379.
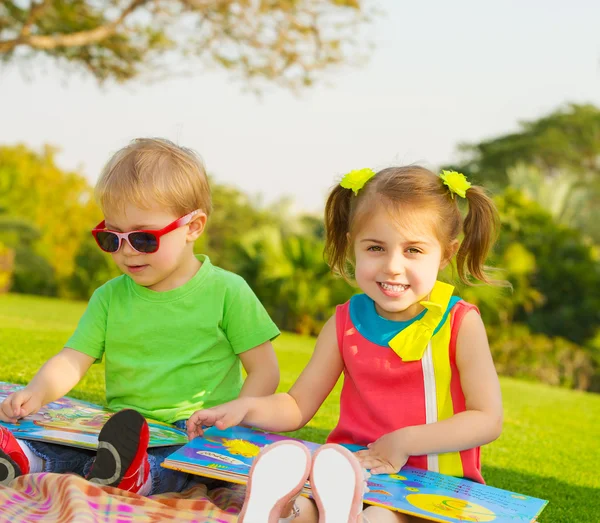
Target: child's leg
column 13, row 460
column 167, row 480
column 122, row 458
column 21, row 457
column 306, row 510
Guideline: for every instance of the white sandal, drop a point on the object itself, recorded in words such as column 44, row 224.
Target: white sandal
column 276, row 477
column 338, row 483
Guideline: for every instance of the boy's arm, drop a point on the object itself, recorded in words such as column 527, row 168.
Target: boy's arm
column 479, row 424
column 260, row 364
column 56, row 377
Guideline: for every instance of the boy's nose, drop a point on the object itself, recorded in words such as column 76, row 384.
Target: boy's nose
column 127, row 249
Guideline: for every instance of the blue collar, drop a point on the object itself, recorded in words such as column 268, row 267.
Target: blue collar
column 380, row 330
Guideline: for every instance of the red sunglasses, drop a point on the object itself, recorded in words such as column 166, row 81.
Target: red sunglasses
column 145, row 242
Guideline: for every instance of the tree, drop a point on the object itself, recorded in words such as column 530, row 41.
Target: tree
column 567, row 140
column 555, row 271
column 571, row 201
column 291, row 277
column 49, row 211
column 7, row 259
column 93, row 268
column 234, row 217
column 286, row 41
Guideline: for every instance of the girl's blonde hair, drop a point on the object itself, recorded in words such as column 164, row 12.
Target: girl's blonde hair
column 406, row 189
column 154, row 169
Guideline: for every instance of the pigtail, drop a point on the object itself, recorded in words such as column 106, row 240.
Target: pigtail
column 337, row 224
column 480, row 227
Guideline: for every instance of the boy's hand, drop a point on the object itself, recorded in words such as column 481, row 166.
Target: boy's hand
column 18, row 405
column 222, row 417
column 387, row 455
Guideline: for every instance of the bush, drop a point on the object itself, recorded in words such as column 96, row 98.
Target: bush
column 564, row 271
column 519, row 353
column 92, row 269
column 33, row 274
column 7, row 258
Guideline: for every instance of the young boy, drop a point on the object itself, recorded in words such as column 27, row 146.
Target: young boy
column 174, row 329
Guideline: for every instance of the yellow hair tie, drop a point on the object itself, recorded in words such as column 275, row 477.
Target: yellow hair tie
column 356, row 180
column 456, row 182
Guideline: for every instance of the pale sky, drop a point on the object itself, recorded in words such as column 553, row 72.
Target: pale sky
column 441, row 73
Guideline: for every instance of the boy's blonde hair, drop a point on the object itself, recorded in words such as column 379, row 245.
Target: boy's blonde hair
column 154, row 169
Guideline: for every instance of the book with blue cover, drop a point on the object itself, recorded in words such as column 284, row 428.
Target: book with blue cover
column 228, row 455
column 77, row 423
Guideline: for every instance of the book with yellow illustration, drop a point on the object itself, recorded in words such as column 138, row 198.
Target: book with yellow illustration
column 77, row 423
column 228, row 455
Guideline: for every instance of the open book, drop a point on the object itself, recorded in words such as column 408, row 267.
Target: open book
column 77, row 423
column 228, row 455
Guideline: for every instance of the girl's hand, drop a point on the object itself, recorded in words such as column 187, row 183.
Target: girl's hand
column 18, row 405
column 387, row 455
column 221, row 416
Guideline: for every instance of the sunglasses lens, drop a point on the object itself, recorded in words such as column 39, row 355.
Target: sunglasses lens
column 144, row 242
column 108, row 241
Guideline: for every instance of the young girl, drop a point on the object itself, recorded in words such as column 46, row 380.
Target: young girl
column 420, row 387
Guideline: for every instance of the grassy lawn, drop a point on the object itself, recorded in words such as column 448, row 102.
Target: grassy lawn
column 550, row 447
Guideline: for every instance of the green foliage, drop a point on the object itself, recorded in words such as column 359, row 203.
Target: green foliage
column 278, row 254
column 93, row 268
column 290, row 276
column 305, row 301
column 555, row 361
column 54, row 208
column 565, row 140
column 33, row 274
column 571, row 199
column 284, row 41
column 6, row 267
column 548, row 448
column 18, row 231
column 556, row 294
column 234, row 217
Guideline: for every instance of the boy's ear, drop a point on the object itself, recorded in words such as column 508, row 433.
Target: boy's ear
column 196, row 227
column 450, row 252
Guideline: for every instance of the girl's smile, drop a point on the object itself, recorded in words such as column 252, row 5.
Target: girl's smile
column 397, row 264
column 394, row 290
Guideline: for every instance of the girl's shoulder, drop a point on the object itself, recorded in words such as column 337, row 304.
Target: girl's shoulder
column 459, row 309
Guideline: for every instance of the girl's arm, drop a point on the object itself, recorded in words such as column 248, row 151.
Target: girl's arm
column 282, row 412
column 260, row 364
column 56, row 377
column 479, row 424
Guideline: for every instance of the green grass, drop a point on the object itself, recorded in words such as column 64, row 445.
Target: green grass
column 550, row 447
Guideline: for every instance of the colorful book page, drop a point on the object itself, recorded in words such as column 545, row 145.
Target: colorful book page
column 228, row 455
column 77, row 423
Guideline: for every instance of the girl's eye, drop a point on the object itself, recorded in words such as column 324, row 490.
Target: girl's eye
column 375, row 248
column 413, row 250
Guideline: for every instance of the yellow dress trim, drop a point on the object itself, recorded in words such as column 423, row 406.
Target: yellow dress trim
column 410, row 343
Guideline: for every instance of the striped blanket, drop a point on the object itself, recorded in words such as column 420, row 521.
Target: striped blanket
column 65, row 498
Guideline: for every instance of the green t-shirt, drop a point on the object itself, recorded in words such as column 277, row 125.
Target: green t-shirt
column 170, row 353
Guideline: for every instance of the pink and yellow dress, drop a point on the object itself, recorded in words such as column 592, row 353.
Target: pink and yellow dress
column 400, row 374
